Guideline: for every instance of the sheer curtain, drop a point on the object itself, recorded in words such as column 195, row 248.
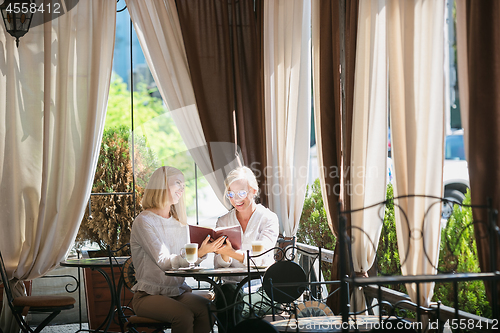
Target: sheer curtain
column 287, row 90
column 369, row 138
column 416, row 76
column 159, row 33
column 53, row 93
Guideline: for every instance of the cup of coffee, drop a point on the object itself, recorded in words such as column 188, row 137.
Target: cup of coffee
column 257, row 247
column 191, row 251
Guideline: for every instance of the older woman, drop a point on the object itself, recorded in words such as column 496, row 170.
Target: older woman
column 257, row 224
column 256, row 221
column 158, row 235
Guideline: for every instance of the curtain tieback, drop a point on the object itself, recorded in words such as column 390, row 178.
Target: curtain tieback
column 26, row 309
column 361, row 274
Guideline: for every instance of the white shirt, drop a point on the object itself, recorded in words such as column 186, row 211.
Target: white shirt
column 262, row 226
column 156, row 244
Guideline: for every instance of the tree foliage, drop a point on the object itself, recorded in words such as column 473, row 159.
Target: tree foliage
column 110, row 218
column 458, row 254
column 154, row 124
column 313, row 227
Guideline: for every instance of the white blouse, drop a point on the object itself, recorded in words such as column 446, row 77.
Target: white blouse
column 262, row 226
column 156, row 244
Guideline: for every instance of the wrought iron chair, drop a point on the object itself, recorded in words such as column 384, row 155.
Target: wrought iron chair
column 21, row 305
column 131, row 322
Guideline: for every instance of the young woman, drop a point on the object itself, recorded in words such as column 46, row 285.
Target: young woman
column 158, row 235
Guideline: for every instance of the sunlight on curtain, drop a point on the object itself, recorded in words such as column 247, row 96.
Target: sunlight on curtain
column 415, row 46
column 287, row 87
column 159, row 33
column 54, row 91
column 369, row 138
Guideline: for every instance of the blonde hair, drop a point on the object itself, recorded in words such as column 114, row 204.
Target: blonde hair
column 242, row 173
column 157, row 193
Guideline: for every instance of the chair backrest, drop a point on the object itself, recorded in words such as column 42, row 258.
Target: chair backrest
column 284, row 272
column 283, row 243
column 128, row 272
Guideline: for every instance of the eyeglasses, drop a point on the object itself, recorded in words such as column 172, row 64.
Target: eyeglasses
column 241, row 194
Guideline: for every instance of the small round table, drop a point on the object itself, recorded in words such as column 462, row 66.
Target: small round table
column 98, row 264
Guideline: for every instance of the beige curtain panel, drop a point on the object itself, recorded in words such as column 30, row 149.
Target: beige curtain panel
column 53, row 93
column 416, row 81
column 369, row 138
column 287, row 90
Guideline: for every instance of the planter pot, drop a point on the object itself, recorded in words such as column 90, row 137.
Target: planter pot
column 99, row 297
column 98, row 294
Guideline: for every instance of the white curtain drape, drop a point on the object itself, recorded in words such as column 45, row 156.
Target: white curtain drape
column 369, row 138
column 287, row 86
column 159, row 33
column 53, row 97
column 415, row 46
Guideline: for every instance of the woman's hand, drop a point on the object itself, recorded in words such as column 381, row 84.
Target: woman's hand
column 207, row 246
column 227, row 251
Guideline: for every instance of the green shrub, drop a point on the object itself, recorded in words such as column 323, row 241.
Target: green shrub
column 458, row 254
column 112, row 216
column 388, row 262
column 313, row 227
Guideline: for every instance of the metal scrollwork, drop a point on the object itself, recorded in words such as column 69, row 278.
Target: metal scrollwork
column 68, row 286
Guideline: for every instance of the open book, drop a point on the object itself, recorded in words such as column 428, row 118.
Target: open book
column 198, row 234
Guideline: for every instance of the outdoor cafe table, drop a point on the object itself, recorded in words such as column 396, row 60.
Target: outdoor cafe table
column 363, row 323
column 98, row 264
column 209, row 275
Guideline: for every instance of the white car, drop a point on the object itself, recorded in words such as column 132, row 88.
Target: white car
column 456, row 171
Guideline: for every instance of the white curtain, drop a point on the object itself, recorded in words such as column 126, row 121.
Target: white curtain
column 415, row 45
column 287, row 86
column 53, row 97
column 369, row 138
column 159, row 33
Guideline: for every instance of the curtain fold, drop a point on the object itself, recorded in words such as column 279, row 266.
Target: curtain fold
column 415, row 45
column 369, row 139
column 481, row 73
column 53, row 93
column 223, row 47
column 287, row 88
column 333, row 140
column 159, row 33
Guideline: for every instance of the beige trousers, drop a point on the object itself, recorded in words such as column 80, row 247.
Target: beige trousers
column 188, row 313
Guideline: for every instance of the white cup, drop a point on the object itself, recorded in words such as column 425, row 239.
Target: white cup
column 257, row 247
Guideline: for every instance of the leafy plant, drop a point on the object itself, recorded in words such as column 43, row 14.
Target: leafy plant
column 154, row 124
column 314, row 229
column 458, row 253
column 110, row 218
column 388, row 262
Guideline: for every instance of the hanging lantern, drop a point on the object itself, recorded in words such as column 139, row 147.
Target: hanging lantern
column 17, row 15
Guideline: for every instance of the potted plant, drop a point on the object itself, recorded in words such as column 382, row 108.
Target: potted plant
column 108, row 220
